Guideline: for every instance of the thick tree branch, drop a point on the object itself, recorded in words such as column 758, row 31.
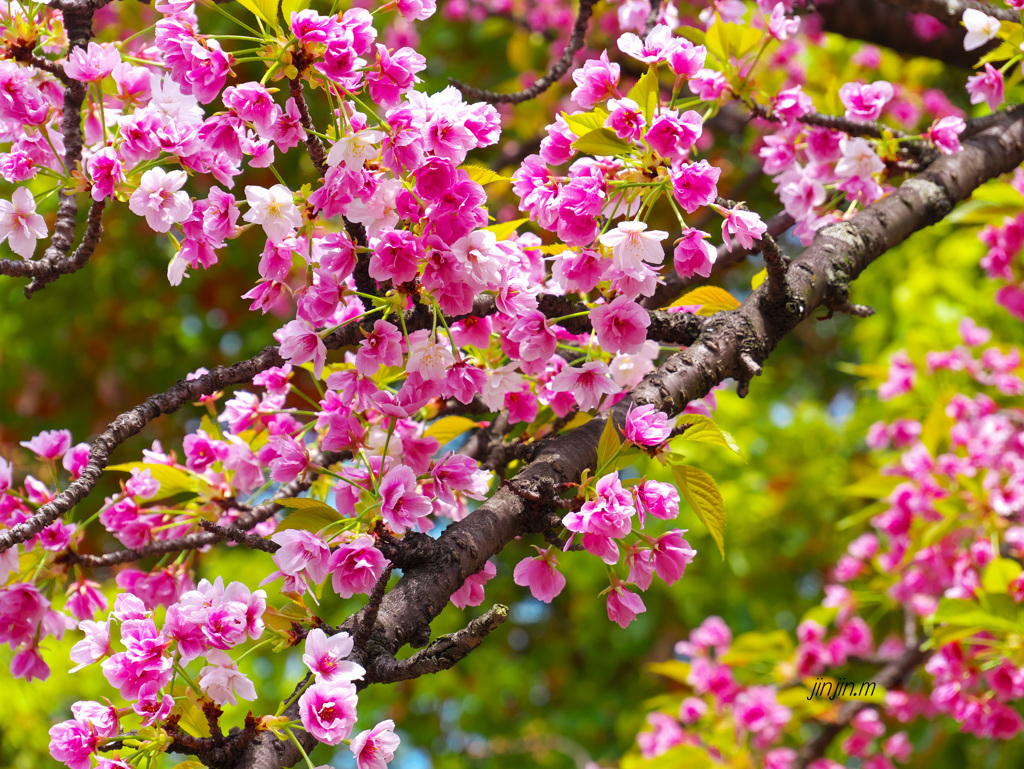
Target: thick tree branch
column 882, row 23
column 558, row 69
column 951, row 12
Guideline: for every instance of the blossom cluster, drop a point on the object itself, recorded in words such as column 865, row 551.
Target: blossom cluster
column 947, row 542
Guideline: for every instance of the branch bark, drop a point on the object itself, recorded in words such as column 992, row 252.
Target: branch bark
column 558, row 69
column 889, row 25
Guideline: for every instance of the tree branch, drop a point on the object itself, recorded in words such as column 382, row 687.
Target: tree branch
column 558, row 69
column 882, row 23
column 951, row 12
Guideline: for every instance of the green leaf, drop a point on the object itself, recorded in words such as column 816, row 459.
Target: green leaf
column 288, row 7
column 999, row 574
column 703, row 430
column 449, row 428
column 674, row 669
column 689, row 756
column 758, row 279
column 877, row 487
column 585, row 122
column 173, row 480
column 310, row 515
column 694, row 35
column 717, row 41
column 609, row 443
column 936, row 426
column 263, row 9
column 601, row 141
column 503, row 230
column 759, row 647
column 193, row 720
column 646, row 93
column 482, row 175
column 701, row 491
column 711, row 299
column 961, row 613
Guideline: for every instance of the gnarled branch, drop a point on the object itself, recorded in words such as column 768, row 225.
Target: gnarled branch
column 558, row 69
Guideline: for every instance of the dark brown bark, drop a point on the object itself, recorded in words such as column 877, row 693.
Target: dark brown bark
column 889, row 25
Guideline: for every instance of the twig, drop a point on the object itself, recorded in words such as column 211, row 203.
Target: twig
column 233, row 534
column 558, row 69
column 440, row 655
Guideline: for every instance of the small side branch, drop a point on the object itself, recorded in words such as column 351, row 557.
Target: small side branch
column 213, row 533
column 441, row 654
column 234, row 534
column 314, row 146
column 776, row 263
column 558, row 69
column 833, row 122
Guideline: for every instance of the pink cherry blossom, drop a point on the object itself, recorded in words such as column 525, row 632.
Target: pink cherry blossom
column 328, row 711
column 401, row 505
column 623, row 606
column 302, row 551
column 945, row 134
column 472, row 591
column 325, row 657
column 626, row 119
column 300, row 343
column 695, row 184
column 540, row 575
column 596, row 81
column 535, row 339
column 621, row 325
column 632, row 245
column 49, row 444
column 745, row 226
column 587, row 383
column 693, row 255
column 645, row 426
column 92, row 63
column 20, row 225
column 986, row 87
column 356, row 566
column 373, row 748
column 159, row 199
column 865, row 102
column 222, row 681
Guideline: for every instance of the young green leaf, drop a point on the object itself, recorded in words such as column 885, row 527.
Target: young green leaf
column 703, row 430
column 645, row 93
column 701, row 491
column 310, row 515
column 601, row 142
column 608, row 444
